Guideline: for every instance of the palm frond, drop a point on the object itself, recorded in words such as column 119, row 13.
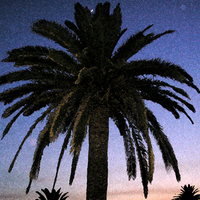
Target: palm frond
column 142, row 158
column 64, row 147
column 42, row 142
column 9, row 125
column 149, row 88
column 73, row 27
column 61, row 112
column 43, row 100
column 166, row 149
column 130, row 155
column 82, row 17
column 11, row 109
column 38, row 56
column 27, row 51
column 145, row 84
column 114, row 32
column 74, row 165
column 134, row 44
column 16, row 76
column 64, row 60
column 57, row 33
column 137, row 110
column 157, row 67
column 8, row 96
column 39, row 119
column 80, row 125
column 120, row 122
column 36, row 74
column 134, row 107
column 162, row 97
column 79, row 133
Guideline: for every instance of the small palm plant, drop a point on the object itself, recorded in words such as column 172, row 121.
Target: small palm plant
column 188, row 193
column 53, row 195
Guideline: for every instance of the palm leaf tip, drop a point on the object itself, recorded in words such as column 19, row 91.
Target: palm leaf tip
column 148, row 27
column 170, row 31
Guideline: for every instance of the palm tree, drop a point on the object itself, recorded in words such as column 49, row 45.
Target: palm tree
column 53, row 195
column 81, row 87
column 188, row 193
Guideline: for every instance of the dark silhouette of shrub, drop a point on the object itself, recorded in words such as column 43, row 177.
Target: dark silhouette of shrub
column 188, row 193
column 53, row 195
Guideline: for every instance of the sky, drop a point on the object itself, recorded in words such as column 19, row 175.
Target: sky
column 182, row 48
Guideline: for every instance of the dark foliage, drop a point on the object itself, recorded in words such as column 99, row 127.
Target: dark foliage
column 53, row 195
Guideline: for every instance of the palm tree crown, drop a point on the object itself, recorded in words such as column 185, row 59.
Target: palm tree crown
column 81, row 87
column 53, row 195
column 188, row 192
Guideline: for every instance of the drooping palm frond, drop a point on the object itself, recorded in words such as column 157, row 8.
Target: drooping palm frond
column 74, row 165
column 6, row 130
column 120, row 122
column 42, row 142
column 142, row 158
column 167, row 99
column 64, row 147
column 39, row 119
column 156, row 67
column 138, row 117
column 166, row 149
column 80, row 125
column 130, row 155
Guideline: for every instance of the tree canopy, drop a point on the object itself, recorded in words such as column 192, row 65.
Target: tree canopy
column 81, row 87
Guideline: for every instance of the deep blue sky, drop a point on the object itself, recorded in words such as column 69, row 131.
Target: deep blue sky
column 181, row 47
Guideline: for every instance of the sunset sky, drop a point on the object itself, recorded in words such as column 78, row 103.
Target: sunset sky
column 182, row 48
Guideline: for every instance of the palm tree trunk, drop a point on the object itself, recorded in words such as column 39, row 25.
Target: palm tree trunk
column 97, row 172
